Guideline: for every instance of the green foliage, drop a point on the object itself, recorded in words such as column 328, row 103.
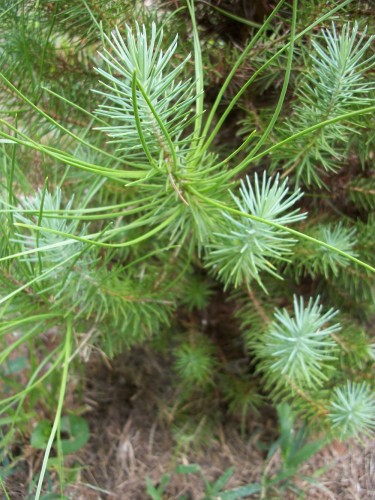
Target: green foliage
column 294, row 449
column 146, row 89
column 362, row 193
column 79, row 24
column 298, row 348
column 197, row 292
column 116, row 205
column 248, row 247
column 212, row 490
column 44, row 211
column 195, row 363
column 322, row 262
column 75, row 428
column 335, row 86
column 352, row 410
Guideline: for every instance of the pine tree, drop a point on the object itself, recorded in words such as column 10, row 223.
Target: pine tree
column 124, row 205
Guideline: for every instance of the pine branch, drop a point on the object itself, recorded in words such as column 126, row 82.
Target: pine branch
column 141, row 60
column 298, row 347
column 248, row 247
column 336, row 85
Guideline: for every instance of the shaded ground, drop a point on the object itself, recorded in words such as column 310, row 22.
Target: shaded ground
column 131, row 439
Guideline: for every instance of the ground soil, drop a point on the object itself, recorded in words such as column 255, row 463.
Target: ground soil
column 131, row 439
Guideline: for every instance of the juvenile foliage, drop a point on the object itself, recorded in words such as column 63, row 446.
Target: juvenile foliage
column 322, row 261
column 195, row 362
column 352, row 410
column 44, row 210
column 335, row 86
column 147, row 98
column 298, row 348
column 249, row 247
column 362, row 193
